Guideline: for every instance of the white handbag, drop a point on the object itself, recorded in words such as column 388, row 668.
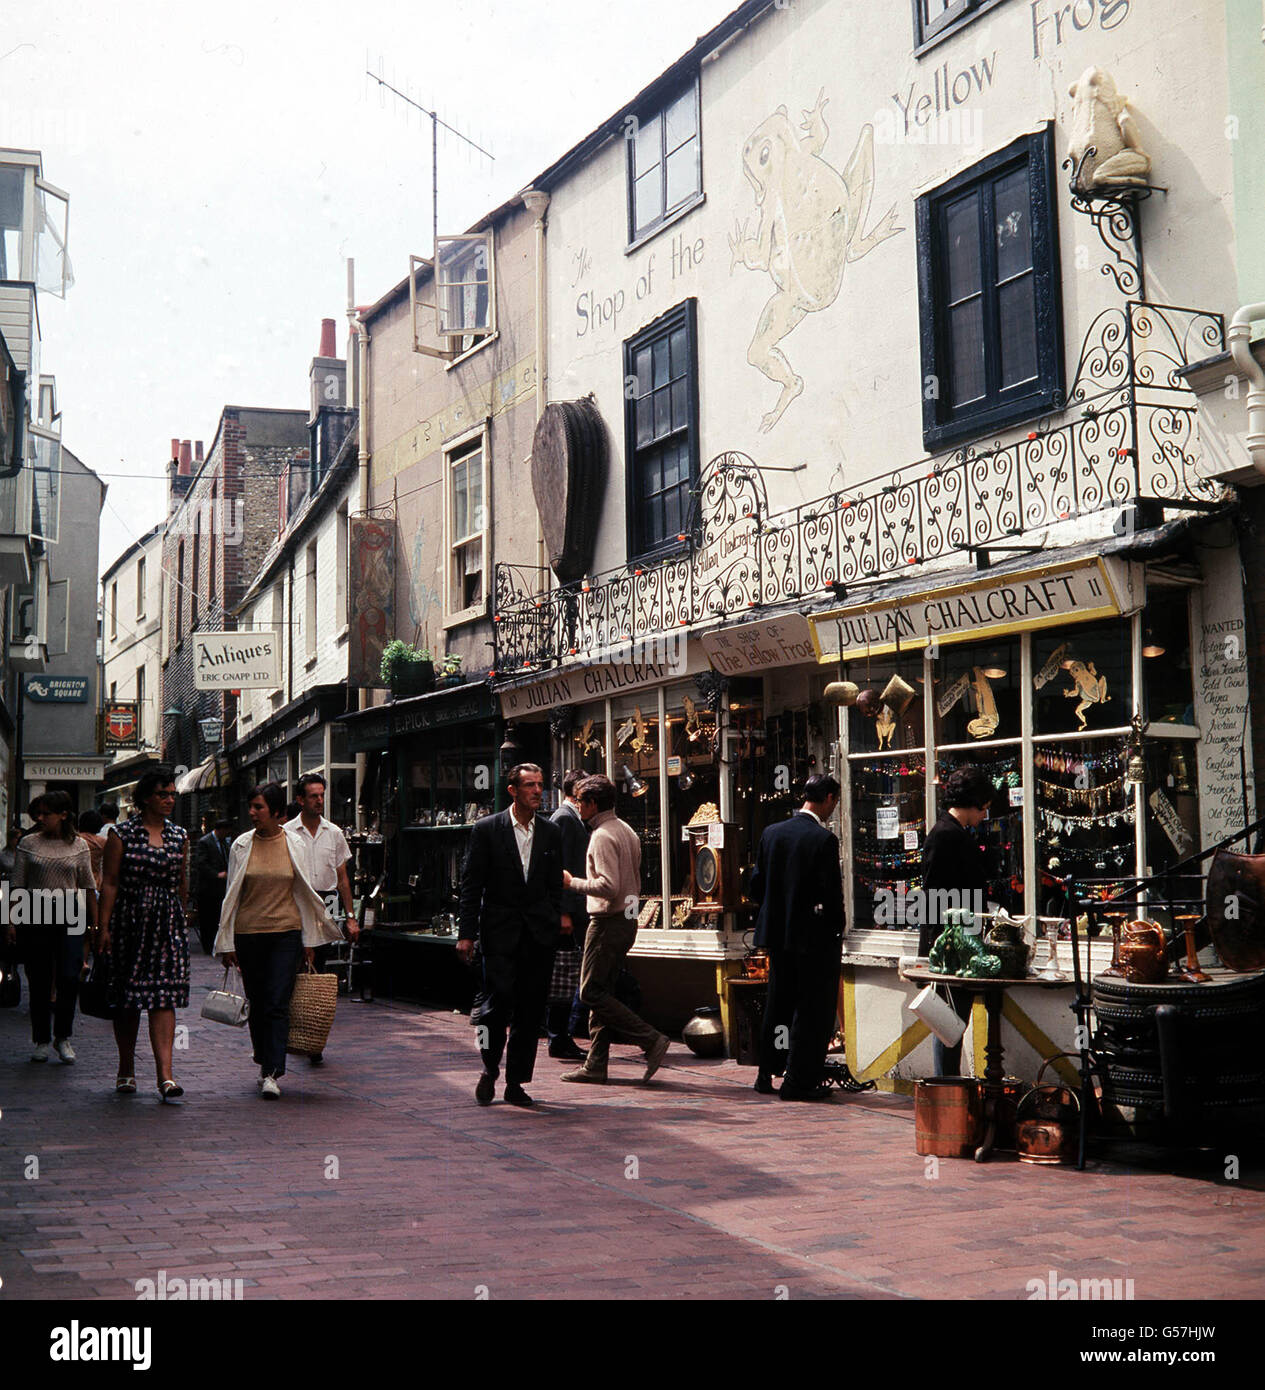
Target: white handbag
column 224, row 1006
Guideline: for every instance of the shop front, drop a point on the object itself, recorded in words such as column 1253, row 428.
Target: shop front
column 1104, row 694
column 433, row 766
column 708, row 739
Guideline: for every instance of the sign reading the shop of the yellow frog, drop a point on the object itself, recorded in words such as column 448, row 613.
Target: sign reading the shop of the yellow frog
column 1013, row 603
column 761, row 646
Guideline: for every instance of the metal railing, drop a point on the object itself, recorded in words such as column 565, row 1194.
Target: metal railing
column 1129, row 436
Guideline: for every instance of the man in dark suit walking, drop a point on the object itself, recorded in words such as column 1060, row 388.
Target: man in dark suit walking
column 562, row 1020
column 799, row 887
column 210, row 874
column 511, row 901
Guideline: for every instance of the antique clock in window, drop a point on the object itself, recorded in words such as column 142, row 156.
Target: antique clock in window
column 714, row 867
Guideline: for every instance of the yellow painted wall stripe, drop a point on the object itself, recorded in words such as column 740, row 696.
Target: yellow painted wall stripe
column 1037, row 1040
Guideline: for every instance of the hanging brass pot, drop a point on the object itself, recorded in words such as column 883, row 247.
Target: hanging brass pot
column 869, row 703
column 842, row 692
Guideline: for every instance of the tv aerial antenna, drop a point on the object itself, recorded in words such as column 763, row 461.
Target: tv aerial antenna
column 435, row 122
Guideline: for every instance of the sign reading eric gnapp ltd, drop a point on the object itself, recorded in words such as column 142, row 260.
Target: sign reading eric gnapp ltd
column 236, row 660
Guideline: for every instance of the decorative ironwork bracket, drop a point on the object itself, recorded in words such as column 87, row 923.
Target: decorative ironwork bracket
column 1114, row 215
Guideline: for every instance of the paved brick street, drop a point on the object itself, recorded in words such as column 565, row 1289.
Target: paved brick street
column 692, row 1187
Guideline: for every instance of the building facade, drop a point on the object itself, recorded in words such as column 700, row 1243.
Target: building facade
column 131, row 664
column 893, row 377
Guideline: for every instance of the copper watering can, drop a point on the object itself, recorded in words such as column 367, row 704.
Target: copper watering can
column 1047, row 1121
column 1143, row 956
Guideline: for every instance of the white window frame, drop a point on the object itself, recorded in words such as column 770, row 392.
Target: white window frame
column 460, row 338
column 342, row 536
column 311, row 572
column 59, row 601
column 455, row 450
column 140, row 588
column 50, row 526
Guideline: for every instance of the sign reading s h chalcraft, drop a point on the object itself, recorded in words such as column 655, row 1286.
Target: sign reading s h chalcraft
column 56, row 689
column 236, row 660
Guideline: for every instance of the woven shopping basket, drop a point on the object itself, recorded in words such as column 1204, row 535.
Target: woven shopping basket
column 311, row 1012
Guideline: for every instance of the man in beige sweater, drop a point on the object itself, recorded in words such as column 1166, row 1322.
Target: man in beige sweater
column 612, row 884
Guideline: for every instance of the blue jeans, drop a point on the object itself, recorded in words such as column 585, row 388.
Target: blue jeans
column 269, row 961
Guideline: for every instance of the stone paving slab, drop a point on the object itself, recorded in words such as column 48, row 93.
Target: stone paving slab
column 377, row 1175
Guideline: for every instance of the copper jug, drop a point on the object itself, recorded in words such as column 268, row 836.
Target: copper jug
column 1047, row 1121
column 1143, row 956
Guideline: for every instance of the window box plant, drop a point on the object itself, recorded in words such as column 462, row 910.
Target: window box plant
column 450, row 672
column 406, row 669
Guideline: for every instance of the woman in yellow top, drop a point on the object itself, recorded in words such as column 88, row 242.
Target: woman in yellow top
column 271, row 918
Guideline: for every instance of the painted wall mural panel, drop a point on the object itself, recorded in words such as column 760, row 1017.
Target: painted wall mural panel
column 372, row 592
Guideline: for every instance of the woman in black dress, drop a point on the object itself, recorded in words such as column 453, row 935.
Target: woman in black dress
column 144, row 889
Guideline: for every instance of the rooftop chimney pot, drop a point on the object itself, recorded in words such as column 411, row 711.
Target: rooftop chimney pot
column 175, row 450
column 197, row 451
column 186, row 458
column 329, row 346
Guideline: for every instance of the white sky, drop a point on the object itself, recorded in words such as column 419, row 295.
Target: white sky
column 222, row 160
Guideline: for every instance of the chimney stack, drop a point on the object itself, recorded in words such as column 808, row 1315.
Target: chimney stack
column 180, row 474
column 328, row 375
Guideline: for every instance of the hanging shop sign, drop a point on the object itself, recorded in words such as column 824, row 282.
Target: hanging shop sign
column 120, row 726
column 236, row 660
column 372, row 591
column 56, row 690
column 1077, row 591
column 1171, row 823
column 735, row 651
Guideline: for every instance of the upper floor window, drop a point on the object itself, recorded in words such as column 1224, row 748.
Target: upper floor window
column 465, row 469
column 661, row 429
column 114, row 609
column 988, row 294
column 140, row 589
column 935, row 18
column 665, row 163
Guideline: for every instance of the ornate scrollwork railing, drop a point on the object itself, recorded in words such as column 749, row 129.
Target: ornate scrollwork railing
column 1128, row 434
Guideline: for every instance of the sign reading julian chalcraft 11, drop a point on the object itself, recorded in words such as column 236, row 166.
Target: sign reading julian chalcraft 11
column 236, row 660
column 1011, row 603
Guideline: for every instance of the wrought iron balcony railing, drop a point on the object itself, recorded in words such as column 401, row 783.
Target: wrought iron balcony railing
column 1128, row 435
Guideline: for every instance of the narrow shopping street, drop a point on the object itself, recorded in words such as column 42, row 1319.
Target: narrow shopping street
column 378, row 1176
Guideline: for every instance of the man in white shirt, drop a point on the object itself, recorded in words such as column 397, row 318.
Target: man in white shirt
column 324, row 854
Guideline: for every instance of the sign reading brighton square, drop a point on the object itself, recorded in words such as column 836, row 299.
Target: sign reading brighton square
column 56, row 689
column 761, row 646
column 1019, row 602
column 236, row 660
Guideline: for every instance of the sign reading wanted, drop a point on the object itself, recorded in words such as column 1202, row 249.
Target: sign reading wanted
column 236, row 660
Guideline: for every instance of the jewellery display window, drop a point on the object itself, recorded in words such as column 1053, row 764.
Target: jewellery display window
column 450, row 781
column 887, row 826
column 744, row 757
column 693, row 780
column 1002, row 833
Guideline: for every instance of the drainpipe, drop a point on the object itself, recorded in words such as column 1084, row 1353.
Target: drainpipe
column 537, row 203
column 1239, row 337
column 360, row 329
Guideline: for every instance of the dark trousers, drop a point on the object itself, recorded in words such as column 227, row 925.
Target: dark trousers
column 52, row 957
column 948, row 1060
column 269, row 962
column 799, row 1018
column 209, row 921
column 605, row 949
column 517, row 986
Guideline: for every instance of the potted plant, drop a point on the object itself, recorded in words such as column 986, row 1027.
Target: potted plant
column 450, row 672
column 406, row 669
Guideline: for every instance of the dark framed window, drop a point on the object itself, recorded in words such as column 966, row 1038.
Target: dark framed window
column 988, row 294
column 933, row 19
column 661, row 429
column 665, row 160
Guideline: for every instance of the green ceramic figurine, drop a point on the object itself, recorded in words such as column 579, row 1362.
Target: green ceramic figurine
column 959, row 951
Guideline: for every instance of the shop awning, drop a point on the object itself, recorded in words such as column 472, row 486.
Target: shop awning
column 374, row 728
column 211, row 773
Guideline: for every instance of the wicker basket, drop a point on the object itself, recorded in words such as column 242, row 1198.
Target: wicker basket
column 311, row 1012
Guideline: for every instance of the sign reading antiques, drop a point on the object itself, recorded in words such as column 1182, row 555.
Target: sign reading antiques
column 56, row 690
column 236, row 660
column 786, row 641
column 120, row 726
column 1076, row 592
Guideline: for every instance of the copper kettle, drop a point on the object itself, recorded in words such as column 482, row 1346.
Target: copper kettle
column 1143, row 954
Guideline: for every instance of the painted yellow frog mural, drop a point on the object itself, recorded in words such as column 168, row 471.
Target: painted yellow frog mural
column 811, row 220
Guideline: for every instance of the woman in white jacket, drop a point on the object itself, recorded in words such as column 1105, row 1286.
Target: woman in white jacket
column 272, row 917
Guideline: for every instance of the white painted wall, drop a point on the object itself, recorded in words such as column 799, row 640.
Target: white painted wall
column 860, row 412
column 135, row 639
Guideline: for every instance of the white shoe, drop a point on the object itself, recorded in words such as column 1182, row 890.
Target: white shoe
column 62, row 1047
column 39, row 1053
column 269, row 1089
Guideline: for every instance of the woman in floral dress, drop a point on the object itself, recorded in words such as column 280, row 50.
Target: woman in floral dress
column 144, row 889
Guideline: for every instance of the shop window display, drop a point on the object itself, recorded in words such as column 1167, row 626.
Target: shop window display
column 693, row 782
column 977, row 692
column 635, row 759
column 1166, row 671
column 585, row 746
column 1002, row 833
column 887, row 825
column 1082, row 677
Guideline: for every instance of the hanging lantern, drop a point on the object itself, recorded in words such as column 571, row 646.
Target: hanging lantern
column 1135, row 768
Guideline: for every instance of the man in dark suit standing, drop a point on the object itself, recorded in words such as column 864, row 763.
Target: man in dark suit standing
column 210, row 874
column 563, row 1019
column 799, row 887
column 511, row 901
